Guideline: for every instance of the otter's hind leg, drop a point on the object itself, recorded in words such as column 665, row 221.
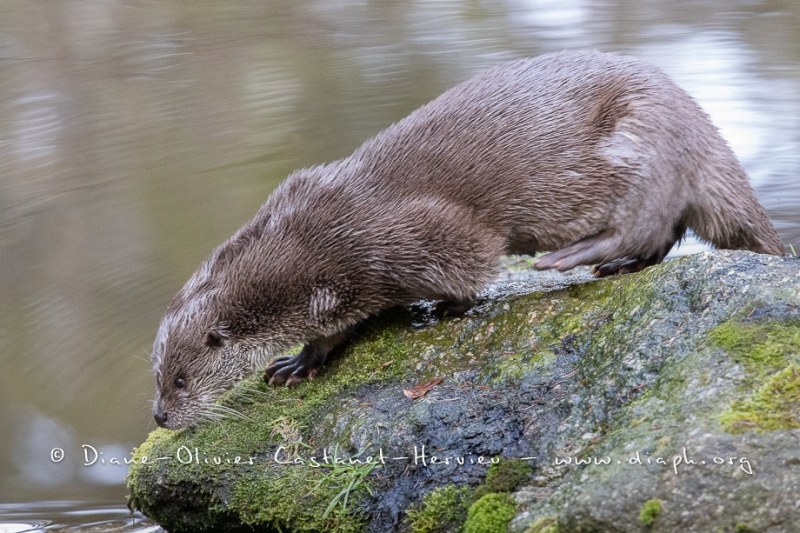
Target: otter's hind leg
column 628, row 265
column 584, row 252
column 615, row 255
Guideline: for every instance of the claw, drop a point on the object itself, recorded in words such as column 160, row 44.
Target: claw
column 289, row 371
column 293, row 380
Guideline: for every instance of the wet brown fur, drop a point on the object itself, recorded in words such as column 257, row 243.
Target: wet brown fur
column 599, row 157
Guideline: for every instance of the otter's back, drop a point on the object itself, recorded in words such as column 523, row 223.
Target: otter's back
column 533, row 145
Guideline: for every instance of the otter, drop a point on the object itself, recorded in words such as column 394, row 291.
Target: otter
column 597, row 157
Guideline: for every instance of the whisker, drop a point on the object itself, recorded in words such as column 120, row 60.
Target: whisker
column 249, row 394
column 210, row 417
column 225, row 411
column 229, row 411
column 143, row 357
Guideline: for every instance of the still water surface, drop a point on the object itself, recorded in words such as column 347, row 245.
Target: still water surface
column 137, row 135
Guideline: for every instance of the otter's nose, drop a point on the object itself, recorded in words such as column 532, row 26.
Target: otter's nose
column 161, row 417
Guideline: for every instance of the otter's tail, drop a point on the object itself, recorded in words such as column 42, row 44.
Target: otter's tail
column 727, row 214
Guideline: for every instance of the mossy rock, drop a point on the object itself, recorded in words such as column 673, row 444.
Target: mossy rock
column 444, row 509
column 491, row 513
column 649, row 512
column 593, row 392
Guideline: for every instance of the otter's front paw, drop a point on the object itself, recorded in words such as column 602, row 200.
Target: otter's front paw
column 291, row 370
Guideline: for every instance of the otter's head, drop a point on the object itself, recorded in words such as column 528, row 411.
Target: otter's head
column 203, row 349
column 199, row 353
column 193, row 365
column 258, row 294
column 207, row 342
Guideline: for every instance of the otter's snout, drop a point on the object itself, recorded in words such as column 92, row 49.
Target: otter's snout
column 161, row 417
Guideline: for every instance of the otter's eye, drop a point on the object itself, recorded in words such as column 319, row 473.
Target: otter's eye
column 179, row 382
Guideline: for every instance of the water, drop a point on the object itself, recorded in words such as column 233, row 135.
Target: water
column 137, row 135
column 72, row 516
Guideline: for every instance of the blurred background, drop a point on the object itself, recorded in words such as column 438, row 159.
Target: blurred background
column 135, row 136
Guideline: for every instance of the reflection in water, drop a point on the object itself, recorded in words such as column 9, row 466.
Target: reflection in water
column 135, row 136
column 565, row 21
column 36, row 129
column 30, row 450
column 72, row 516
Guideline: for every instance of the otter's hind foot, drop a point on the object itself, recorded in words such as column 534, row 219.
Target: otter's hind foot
column 620, row 266
column 629, row 265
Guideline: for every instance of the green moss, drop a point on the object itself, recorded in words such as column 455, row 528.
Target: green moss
column 329, row 503
column 649, row 512
column 596, row 316
column 261, row 493
column 442, row 509
column 490, row 514
column 769, row 352
column 545, row 524
column 147, row 449
column 743, row 528
column 504, row 476
column 772, row 406
column 384, row 353
column 445, row 508
column 761, row 347
column 143, row 456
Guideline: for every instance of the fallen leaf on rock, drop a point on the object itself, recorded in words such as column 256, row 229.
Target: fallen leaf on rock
column 421, row 390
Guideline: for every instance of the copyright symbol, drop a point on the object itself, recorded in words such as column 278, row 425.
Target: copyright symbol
column 56, row 455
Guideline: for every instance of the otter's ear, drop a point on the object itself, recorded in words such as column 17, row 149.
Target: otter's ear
column 323, row 304
column 215, row 338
